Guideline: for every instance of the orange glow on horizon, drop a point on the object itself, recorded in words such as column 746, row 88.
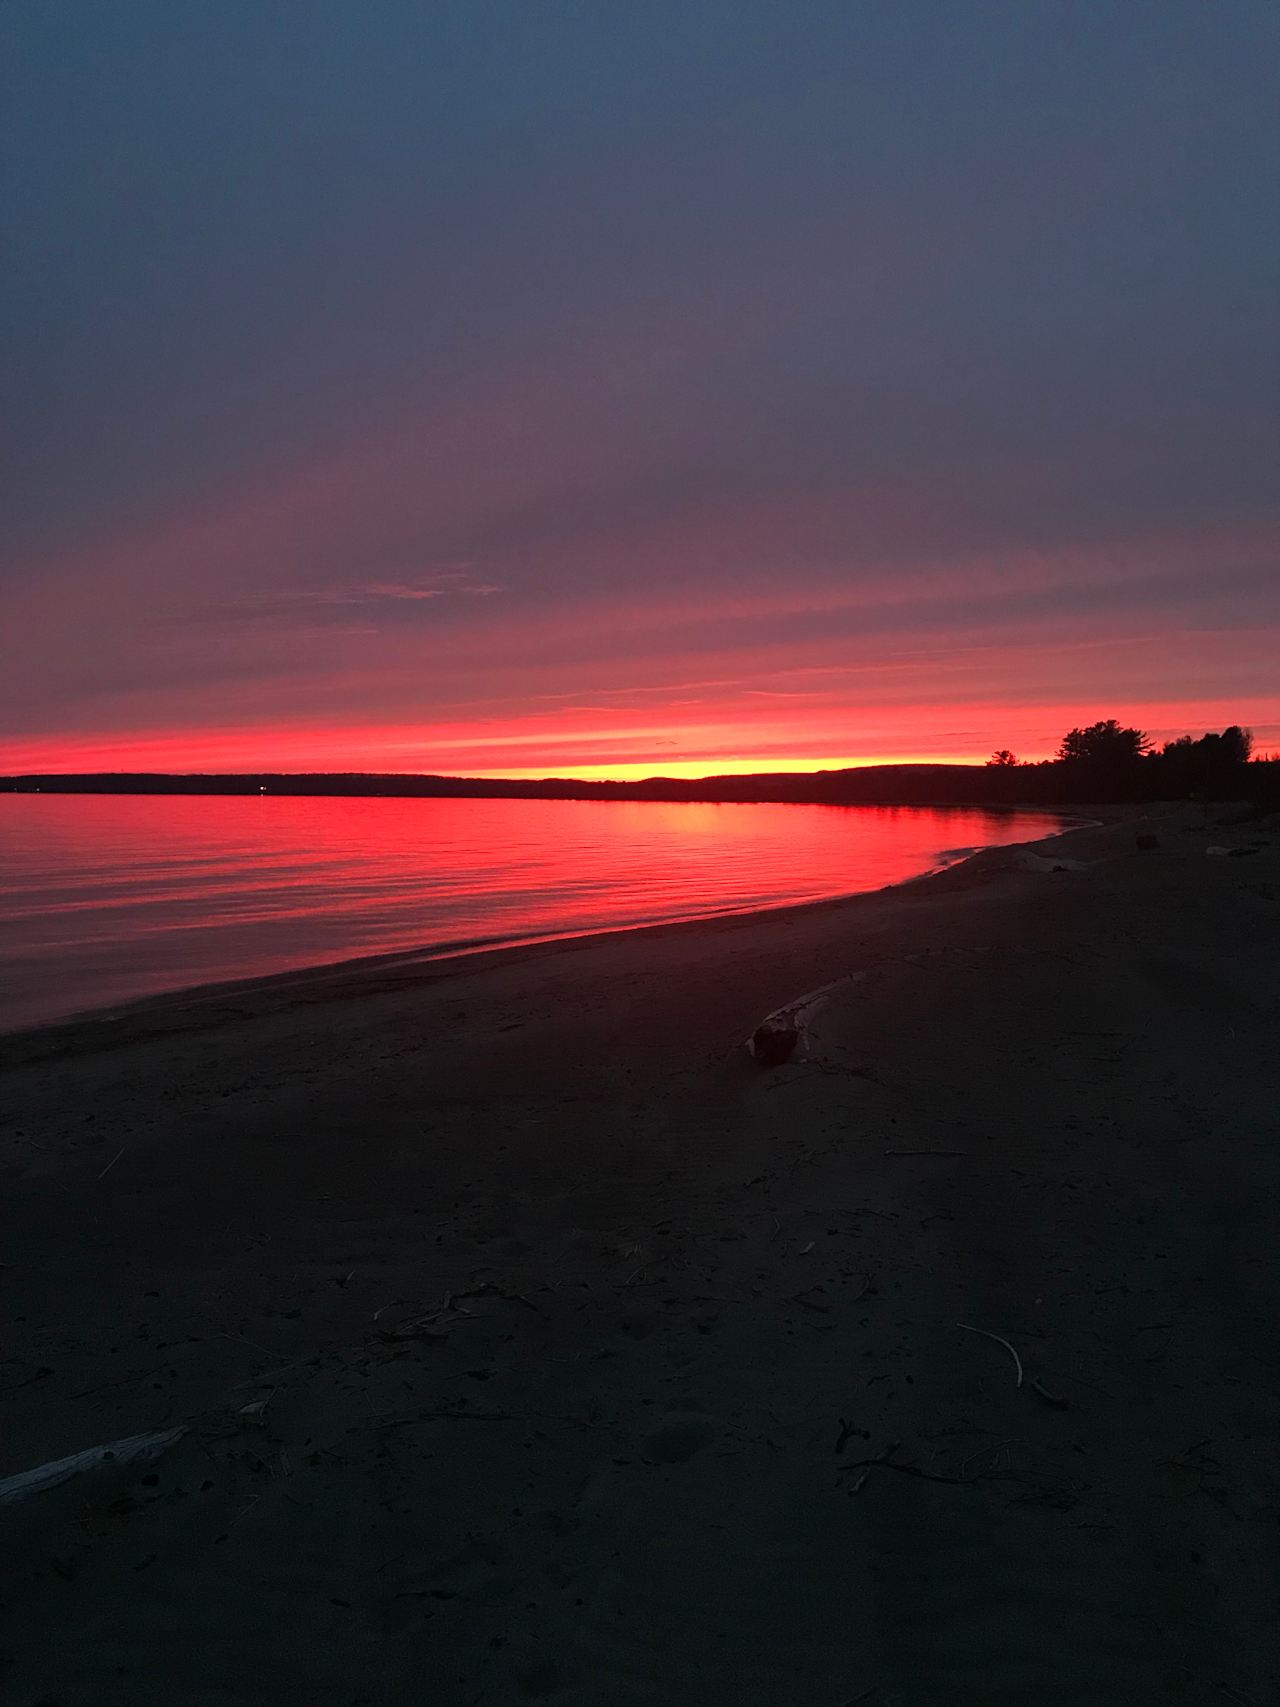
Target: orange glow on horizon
column 694, row 770
column 590, row 745
column 774, row 674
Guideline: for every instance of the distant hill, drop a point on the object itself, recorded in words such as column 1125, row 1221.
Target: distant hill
column 1179, row 771
column 902, row 785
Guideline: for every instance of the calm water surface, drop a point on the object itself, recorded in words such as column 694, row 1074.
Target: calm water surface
column 105, row 898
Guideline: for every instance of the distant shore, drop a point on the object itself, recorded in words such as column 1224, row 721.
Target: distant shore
column 517, row 1319
column 1216, row 767
column 992, row 788
column 875, row 784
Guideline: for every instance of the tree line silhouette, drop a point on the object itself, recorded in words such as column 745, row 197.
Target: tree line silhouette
column 1107, row 761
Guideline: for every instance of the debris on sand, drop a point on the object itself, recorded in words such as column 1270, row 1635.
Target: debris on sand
column 774, row 1041
column 134, row 1449
column 780, row 1035
column 996, row 1337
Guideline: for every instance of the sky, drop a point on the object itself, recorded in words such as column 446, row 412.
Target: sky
column 603, row 389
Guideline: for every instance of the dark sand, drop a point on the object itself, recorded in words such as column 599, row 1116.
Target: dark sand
column 692, row 1299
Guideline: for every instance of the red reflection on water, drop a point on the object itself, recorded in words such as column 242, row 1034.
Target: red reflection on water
column 106, row 898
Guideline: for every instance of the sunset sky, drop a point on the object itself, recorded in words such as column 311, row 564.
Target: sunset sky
column 615, row 388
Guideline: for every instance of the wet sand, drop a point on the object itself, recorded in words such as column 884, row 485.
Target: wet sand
column 535, row 1344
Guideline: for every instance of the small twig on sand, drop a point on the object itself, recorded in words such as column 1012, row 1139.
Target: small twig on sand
column 433, row 1327
column 870, row 1463
column 244, row 1510
column 996, row 1337
column 1105, row 1391
column 924, row 1475
column 124, row 1381
column 994, row 1447
column 804, row 1069
column 807, row 1303
column 447, row 1416
column 42, row 1374
column 241, row 1340
column 926, row 1152
column 885, row 1462
column 831, row 1211
column 111, row 1164
column 492, row 1286
column 271, row 1378
column 1054, row 1399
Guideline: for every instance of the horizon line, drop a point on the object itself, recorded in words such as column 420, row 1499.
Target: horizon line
column 569, row 775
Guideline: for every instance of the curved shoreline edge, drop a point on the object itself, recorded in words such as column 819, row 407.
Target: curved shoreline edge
column 203, row 1006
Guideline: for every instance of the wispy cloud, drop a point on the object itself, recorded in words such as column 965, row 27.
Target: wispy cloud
column 363, row 596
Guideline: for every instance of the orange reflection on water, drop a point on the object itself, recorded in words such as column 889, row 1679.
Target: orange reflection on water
column 106, row 898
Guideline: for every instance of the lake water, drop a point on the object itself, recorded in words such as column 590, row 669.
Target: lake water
column 105, row 898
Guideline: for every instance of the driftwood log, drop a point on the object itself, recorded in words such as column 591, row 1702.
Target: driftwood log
column 780, row 1036
column 775, row 1041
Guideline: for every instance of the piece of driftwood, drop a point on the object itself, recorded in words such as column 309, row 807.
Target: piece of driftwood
column 774, row 1041
column 780, row 1035
column 996, row 1337
column 134, row 1449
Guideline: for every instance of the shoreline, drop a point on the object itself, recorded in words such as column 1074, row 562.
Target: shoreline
column 368, row 973
column 531, row 1341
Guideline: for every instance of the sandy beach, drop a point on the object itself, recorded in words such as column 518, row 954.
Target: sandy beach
column 534, row 1343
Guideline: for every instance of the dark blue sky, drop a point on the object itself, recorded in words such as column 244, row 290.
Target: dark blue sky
column 591, row 375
